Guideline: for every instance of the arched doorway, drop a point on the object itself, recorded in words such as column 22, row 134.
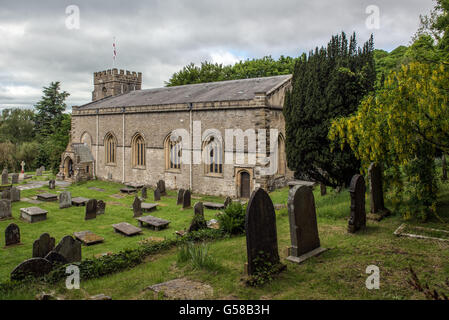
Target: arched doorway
column 245, row 185
column 68, row 167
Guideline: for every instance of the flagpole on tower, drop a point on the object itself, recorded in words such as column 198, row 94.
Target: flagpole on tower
column 114, row 52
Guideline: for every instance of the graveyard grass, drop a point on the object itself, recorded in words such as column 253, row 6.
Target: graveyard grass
column 338, row 273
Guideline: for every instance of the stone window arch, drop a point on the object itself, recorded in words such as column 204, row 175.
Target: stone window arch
column 138, row 150
column 213, row 156
column 110, row 146
column 173, row 152
column 86, row 138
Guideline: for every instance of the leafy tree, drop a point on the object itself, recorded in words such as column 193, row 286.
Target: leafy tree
column 17, row 125
column 7, row 152
column 329, row 83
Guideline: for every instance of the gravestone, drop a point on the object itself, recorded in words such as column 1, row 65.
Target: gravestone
column 323, row 189
column 180, row 196
column 15, row 178
column 35, row 267
column 12, row 235
column 126, row 229
column 227, row 202
column 376, row 191
column 91, row 209
column 186, row 199
column 157, row 194
column 357, row 191
column 161, row 187
column 33, row 214
column 51, row 184
column 56, row 258
column 5, row 176
column 38, row 172
column 15, row 194
column 5, row 209
column 261, row 235
column 303, row 225
column 43, row 245
column 65, row 200
column 42, row 168
column 6, row 194
column 144, row 192
column 70, row 249
column 47, row 197
column 198, row 221
column 137, row 207
column 101, row 207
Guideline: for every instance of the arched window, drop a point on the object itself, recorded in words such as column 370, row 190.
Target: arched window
column 281, row 156
column 213, row 156
column 138, row 151
column 173, row 153
column 110, row 144
column 86, row 139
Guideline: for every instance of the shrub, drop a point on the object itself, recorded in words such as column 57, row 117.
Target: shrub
column 232, row 221
column 197, row 255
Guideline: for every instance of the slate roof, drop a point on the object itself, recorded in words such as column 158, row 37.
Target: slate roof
column 232, row 90
column 83, row 151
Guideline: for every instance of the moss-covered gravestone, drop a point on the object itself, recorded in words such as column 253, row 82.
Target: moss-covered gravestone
column 101, row 207
column 357, row 191
column 65, row 200
column 198, row 221
column 303, row 225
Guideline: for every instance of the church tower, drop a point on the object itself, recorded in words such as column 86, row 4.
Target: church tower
column 112, row 82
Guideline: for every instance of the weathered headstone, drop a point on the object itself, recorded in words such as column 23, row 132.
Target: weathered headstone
column 186, row 199
column 51, row 184
column 15, row 194
column 101, row 207
column 180, row 196
column 91, row 209
column 137, row 207
column 303, row 225
column 43, row 246
column 56, row 258
column 65, row 200
column 227, row 202
column 12, row 235
column 157, row 194
column 6, row 194
column 261, row 235
column 5, row 176
column 357, row 191
column 5, row 209
column 35, row 267
column 376, row 191
column 144, row 192
column 38, row 172
column 161, row 187
column 42, row 168
column 323, row 189
column 69, row 248
column 15, row 178
column 198, row 221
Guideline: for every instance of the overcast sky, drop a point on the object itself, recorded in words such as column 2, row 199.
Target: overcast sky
column 40, row 42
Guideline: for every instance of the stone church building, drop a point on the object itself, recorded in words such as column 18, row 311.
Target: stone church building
column 127, row 134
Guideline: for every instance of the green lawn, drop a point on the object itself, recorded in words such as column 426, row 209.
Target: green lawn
column 336, row 274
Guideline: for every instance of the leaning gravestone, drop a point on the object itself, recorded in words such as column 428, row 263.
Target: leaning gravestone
column 91, row 209
column 157, row 194
column 144, row 192
column 186, row 199
column 303, row 225
column 51, row 184
column 180, row 196
column 65, row 200
column 198, row 221
column 261, row 235
column 70, row 249
column 43, row 246
column 15, row 194
column 12, row 235
column 5, row 209
column 357, row 191
column 5, row 176
column 35, row 267
column 15, row 178
column 101, row 207
column 376, row 192
column 161, row 187
column 137, row 207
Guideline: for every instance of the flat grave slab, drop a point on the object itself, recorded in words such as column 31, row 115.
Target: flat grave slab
column 47, row 197
column 33, row 214
column 33, row 201
column 88, row 237
column 154, row 222
column 148, row 207
column 96, row 189
column 183, row 289
column 128, row 190
column 214, row 205
column 79, row 201
column 126, row 229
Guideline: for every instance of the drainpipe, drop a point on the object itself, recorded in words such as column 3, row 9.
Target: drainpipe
column 96, row 148
column 191, row 145
column 123, row 141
